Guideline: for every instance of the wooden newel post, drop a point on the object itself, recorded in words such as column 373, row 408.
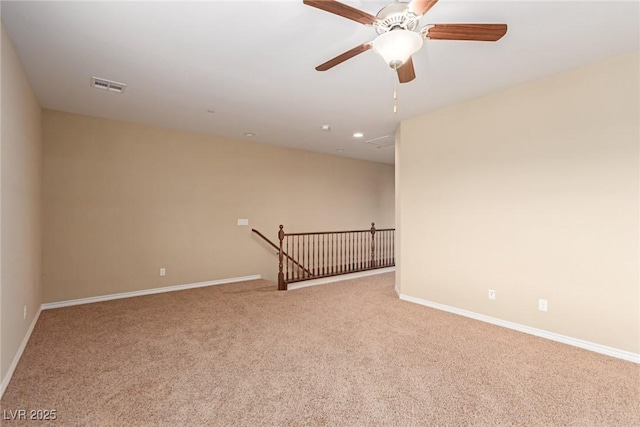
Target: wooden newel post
column 281, row 285
column 373, row 244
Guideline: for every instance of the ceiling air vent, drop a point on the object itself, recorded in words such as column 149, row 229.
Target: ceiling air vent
column 109, row 85
column 383, row 141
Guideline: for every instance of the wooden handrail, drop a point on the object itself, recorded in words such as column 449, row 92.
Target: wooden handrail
column 338, row 232
column 283, row 252
column 265, row 239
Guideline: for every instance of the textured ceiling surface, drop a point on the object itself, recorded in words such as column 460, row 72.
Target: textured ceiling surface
column 253, row 63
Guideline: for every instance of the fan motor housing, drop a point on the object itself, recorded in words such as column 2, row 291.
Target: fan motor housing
column 395, row 16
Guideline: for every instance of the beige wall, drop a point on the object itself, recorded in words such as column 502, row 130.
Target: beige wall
column 20, row 183
column 533, row 192
column 398, row 236
column 123, row 200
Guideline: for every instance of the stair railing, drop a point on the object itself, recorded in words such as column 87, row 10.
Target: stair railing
column 281, row 254
column 313, row 255
column 332, row 253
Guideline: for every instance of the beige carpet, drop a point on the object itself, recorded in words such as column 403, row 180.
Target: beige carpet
column 343, row 354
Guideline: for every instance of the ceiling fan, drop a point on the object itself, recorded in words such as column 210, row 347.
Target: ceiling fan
column 397, row 40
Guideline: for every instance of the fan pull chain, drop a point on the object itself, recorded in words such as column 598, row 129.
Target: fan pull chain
column 395, row 95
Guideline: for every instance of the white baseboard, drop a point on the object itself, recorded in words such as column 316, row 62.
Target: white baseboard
column 132, row 294
column 7, row 378
column 324, row 280
column 587, row 345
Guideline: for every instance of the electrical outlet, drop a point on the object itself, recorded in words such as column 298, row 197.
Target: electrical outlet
column 163, row 272
column 24, row 312
column 492, row 294
column 543, row 305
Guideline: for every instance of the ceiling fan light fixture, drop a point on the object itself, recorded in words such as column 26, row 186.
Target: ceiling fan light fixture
column 397, row 46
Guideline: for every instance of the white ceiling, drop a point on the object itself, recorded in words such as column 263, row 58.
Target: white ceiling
column 253, row 63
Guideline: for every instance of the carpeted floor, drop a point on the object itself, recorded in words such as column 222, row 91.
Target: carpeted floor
column 343, row 354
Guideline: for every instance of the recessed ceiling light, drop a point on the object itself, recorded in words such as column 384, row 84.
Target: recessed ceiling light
column 358, row 135
column 325, row 128
column 249, row 134
column 339, row 150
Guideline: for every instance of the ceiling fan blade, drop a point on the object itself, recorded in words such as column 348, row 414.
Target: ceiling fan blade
column 420, row 7
column 347, row 55
column 343, row 10
column 477, row 32
column 406, row 73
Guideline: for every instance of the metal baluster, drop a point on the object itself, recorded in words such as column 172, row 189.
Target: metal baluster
column 333, row 257
column 350, row 251
column 298, row 259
